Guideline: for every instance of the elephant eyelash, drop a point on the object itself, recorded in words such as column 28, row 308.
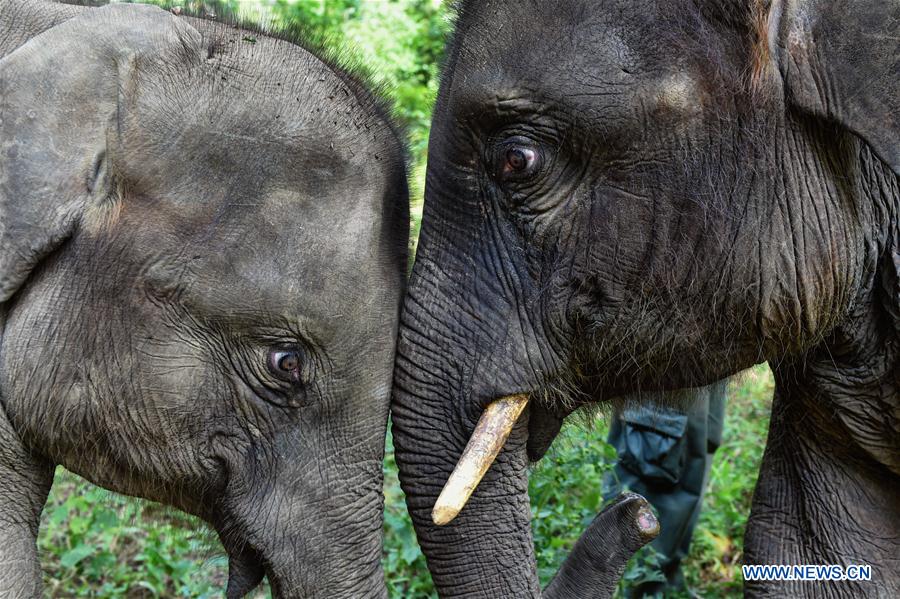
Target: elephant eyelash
column 248, row 353
column 249, row 364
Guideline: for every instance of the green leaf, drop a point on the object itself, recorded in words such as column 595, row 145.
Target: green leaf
column 72, row 557
column 79, row 524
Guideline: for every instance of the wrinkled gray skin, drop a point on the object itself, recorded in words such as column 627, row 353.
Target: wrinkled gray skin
column 707, row 184
column 175, row 203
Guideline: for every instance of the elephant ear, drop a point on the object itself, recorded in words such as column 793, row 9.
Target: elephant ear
column 840, row 60
column 61, row 99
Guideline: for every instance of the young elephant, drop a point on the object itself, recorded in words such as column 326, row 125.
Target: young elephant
column 634, row 195
column 203, row 240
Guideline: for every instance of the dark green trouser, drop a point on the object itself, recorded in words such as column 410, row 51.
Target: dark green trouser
column 665, row 455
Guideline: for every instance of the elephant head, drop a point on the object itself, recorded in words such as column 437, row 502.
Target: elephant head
column 203, row 237
column 635, row 196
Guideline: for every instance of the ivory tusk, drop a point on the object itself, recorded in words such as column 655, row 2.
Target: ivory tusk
column 487, row 440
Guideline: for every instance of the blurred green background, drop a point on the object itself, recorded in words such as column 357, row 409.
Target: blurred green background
column 98, row 544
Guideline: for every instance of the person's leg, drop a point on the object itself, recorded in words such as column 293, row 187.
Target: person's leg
column 665, row 455
column 713, row 399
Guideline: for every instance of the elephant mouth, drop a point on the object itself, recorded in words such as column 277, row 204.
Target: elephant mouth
column 487, row 440
column 246, row 570
column 543, row 428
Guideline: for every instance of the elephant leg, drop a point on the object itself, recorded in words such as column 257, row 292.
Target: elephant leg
column 25, row 481
column 822, row 500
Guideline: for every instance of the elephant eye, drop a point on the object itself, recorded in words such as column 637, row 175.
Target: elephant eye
column 517, row 159
column 286, row 364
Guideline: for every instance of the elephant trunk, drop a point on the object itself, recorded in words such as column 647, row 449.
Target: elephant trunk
column 487, row 549
column 460, row 411
column 303, row 552
column 309, row 531
column 476, row 534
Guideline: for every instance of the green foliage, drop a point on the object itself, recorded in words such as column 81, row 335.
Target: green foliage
column 643, row 567
column 95, row 543
column 400, row 42
column 565, row 489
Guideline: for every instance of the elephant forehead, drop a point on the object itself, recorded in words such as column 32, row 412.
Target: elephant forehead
column 600, row 58
column 252, row 182
column 212, row 162
column 246, row 146
column 285, row 256
column 253, row 108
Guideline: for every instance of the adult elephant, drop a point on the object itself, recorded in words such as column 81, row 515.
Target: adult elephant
column 203, row 237
column 629, row 196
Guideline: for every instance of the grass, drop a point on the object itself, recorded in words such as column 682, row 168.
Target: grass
column 98, row 544
column 95, row 543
